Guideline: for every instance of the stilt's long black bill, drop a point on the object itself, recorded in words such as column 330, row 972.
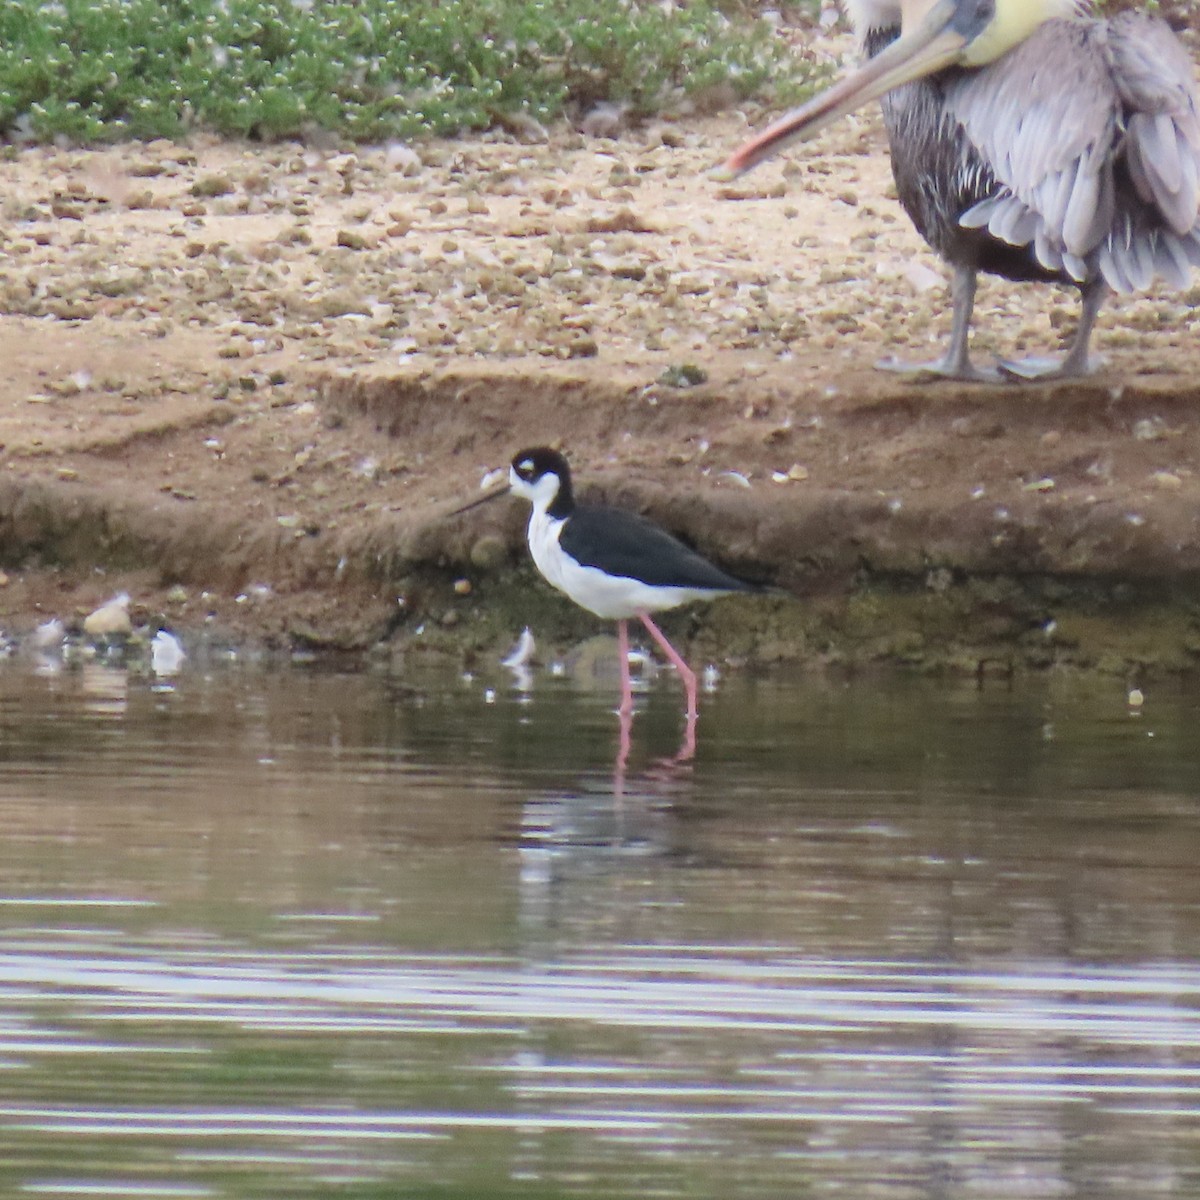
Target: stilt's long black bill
column 486, row 498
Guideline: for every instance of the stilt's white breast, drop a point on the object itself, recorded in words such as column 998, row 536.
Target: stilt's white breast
column 613, row 597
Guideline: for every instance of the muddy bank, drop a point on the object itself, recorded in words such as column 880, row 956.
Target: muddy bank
column 981, row 531
column 246, row 384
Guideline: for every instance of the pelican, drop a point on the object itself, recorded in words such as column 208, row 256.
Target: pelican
column 1028, row 140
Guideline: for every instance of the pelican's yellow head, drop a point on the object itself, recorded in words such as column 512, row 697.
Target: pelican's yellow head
column 988, row 28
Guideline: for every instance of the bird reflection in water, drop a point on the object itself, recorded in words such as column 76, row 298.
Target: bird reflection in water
column 521, row 660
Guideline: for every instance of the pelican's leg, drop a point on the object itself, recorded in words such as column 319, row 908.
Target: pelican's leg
column 685, row 672
column 1076, row 363
column 626, row 709
column 956, row 362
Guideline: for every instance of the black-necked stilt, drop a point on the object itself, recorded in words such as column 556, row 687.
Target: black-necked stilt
column 612, row 562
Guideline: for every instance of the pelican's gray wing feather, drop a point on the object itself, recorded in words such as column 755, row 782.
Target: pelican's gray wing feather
column 1091, row 131
column 1157, row 85
column 1045, row 118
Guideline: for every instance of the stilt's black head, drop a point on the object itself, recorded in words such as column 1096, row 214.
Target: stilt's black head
column 542, row 476
column 539, row 475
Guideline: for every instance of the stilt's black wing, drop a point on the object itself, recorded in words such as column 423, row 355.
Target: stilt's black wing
column 627, row 545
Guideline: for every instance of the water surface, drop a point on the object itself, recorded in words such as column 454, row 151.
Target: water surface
column 277, row 933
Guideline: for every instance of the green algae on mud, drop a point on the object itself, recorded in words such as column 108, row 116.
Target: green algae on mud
column 979, row 626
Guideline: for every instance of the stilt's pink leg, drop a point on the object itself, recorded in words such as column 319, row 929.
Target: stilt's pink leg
column 685, row 672
column 626, row 708
column 687, row 749
column 624, row 724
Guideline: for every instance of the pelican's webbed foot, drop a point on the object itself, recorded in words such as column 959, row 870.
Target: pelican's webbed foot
column 1043, row 369
column 962, row 369
column 1078, row 362
column 956, row 362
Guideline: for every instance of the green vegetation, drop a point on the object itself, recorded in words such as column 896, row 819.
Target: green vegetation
column 103, row 70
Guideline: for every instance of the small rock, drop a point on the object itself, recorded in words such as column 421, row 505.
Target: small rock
column 735, row 477
column 109, row 620
column 683, row 375
column 752, row 191
column 581, row 347
column 1151, row 429
column 212, row 185
column 462, row 587
column 488, row 552
column 624, row 220
column 1167, row 479
column 921, row 278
